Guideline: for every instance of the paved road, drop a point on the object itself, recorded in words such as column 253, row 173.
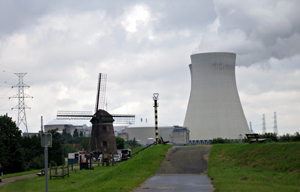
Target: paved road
column 183, row 170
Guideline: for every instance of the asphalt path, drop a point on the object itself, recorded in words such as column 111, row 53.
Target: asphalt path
column 182, row 170
column 9, row 180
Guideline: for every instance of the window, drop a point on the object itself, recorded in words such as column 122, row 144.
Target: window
column 104, row 143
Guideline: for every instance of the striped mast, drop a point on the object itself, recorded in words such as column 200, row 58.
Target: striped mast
column 155, row 98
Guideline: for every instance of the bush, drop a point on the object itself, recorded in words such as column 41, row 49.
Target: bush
column 271, row 137
column 221, row 140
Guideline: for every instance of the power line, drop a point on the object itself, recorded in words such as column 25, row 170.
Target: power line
column 6, row 81
column 6, row 92
column 8, row 68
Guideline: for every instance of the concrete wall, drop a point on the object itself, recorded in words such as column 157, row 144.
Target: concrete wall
column 214, row 108
column 181, row 136
column 140, row 133
column 166, row 133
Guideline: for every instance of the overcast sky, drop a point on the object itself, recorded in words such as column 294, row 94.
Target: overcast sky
column 145, row 47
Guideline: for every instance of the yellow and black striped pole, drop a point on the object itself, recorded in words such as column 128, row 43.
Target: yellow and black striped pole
column 155, row 98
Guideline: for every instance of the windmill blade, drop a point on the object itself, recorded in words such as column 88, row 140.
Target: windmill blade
column 87, row 115
column 74, row 115
column 101, row 88
column 124, row 119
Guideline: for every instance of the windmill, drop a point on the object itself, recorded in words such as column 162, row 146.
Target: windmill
column 100, row 103
column 102, row 137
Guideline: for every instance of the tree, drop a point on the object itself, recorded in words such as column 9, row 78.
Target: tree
column 81, row 134
column 131, row 144
column 120, row 142
column 270, row 137
column 33, row 153
column 66, row 135
column 55, row 152
column 85, row 143
column 75, row 134
column 11, row 153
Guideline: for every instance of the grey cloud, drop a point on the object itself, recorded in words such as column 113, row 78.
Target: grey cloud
column 258, row 30
column 193, row 14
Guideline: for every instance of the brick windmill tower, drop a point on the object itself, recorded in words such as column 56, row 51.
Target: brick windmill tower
column 103, row 134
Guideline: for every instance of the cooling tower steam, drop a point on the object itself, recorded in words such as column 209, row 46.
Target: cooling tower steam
column 214, row 108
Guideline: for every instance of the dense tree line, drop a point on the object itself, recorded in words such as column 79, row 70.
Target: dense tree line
column 131, row 144
column 19, row 153
column 11, row 152
column 271, row 137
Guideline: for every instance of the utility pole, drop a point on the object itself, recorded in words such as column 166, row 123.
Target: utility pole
column 42, row 126
column 46, row 141
column 155, row 98
column 264, row 125
column 21, row 104
column 275, row 124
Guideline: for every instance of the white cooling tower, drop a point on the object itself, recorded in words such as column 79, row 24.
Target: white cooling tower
column 214, row 108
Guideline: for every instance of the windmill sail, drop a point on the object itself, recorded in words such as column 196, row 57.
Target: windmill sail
column 87, row 115
column 100, row 103
column 100, row 99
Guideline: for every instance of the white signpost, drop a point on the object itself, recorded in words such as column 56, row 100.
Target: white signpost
column 46, row 141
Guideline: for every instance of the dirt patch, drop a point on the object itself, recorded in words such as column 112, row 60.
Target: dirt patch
column 245, row 178
column 292, row 172
column 185, row 160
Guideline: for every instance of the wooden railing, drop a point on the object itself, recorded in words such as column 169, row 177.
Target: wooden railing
column 136, row 153
column 63, row 173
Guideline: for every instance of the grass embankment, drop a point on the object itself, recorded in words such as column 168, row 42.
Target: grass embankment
column 255, row 167
column 124, row 177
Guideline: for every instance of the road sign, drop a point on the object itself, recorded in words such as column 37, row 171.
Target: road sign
column 48, row 139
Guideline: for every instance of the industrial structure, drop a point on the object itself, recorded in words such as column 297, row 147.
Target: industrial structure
column 70, row 127
column 214, row 108
column 250, row 126
column 145, row 133
column 21, row 104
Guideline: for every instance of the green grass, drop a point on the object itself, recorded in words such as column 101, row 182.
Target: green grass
column 26, row 173
column 255, row 167
column 126, row 176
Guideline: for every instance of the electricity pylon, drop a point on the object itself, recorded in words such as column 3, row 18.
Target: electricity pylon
column 21, row 105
